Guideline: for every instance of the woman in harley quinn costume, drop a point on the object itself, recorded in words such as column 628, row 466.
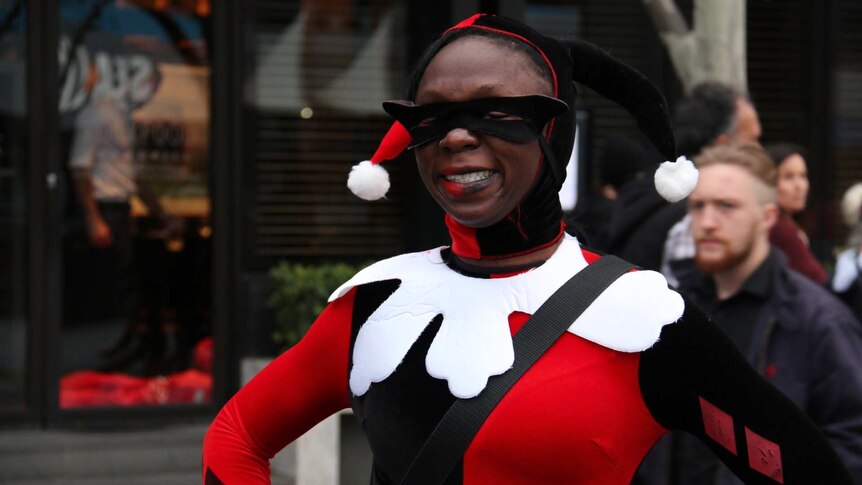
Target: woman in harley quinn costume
column 489, row 118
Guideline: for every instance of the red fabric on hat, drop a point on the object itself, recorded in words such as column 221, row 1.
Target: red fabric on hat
column 394, row 142
column 466, row 22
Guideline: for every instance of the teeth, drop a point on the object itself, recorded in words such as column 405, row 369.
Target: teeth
column 466, row 178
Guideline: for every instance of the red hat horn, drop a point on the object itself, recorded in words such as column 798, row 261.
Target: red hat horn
column 368, row 179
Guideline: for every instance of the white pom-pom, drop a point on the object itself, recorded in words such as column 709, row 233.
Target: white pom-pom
column 675, row 180
column 368, row 180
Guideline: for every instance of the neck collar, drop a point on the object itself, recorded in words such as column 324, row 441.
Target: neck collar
column 467, row 269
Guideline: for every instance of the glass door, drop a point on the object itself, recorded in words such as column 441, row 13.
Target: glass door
column 136, row 233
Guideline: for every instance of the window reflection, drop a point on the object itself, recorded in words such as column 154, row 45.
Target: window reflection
column 134, row 107
column 321, row 70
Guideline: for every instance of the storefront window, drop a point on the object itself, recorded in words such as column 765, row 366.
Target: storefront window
column 13, row 226
column 134, row 110
column 321, row 70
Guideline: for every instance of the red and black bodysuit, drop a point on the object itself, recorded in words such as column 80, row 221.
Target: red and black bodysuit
column 584, row 413
column 407, row 336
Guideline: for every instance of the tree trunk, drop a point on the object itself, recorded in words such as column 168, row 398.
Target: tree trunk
column 713, row 49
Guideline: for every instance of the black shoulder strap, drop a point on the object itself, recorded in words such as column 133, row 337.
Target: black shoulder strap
column 454, row 433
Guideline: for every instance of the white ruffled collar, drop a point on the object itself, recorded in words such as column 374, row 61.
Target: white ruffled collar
column 474, row 340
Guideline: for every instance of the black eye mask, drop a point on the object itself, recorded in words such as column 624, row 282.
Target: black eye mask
column 516, row 118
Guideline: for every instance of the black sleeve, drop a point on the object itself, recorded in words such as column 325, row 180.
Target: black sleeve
column 694, row 379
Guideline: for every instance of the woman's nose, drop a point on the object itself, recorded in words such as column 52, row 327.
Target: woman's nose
column 459, row 139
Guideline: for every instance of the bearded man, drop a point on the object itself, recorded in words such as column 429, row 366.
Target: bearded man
column 802, row 339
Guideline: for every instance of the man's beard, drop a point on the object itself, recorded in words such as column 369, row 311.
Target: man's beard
column 729, row 259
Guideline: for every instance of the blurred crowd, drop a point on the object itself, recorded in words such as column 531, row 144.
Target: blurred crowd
column 735, row 248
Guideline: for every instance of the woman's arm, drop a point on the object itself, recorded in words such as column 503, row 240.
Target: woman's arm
column 694, row 379
column 292, row 394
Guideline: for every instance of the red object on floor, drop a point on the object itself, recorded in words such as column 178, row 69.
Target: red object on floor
column 95, row 389
column 202, row 355
column 189, row 387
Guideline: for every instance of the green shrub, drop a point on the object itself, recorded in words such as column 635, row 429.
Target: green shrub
column 299, row 294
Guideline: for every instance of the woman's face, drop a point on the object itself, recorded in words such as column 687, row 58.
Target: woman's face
column 478, row 179
column 792, row 184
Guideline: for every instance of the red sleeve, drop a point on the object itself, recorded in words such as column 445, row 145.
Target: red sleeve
column 784, row 237
column 300, row 388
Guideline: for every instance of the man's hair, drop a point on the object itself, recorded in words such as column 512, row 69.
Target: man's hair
column 707, row 112
column 750, row 156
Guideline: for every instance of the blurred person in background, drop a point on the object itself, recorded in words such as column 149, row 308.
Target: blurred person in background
column 712, row 114
column 794, row 332
column 623, row 162
column 792, row 189
column 846, row 281
column 105, row 179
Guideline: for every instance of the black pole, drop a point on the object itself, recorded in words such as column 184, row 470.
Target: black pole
column 44, row 264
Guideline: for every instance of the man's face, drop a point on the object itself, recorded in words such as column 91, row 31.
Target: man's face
column 727, row 217
column 747, row 122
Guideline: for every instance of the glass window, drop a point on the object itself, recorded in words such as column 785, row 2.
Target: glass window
column 562, row 20
column 134, row 108
column 321, row 71
column 13, row 227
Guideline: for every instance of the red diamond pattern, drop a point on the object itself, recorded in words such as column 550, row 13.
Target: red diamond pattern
column 764, row 456
column 718, row 425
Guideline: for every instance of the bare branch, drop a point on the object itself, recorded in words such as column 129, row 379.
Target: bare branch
column 676, row 36
column 666, row 17
column 712, row 49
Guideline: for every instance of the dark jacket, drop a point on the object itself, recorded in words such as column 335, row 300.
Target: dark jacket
column 809, row 345
column 640, row 223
